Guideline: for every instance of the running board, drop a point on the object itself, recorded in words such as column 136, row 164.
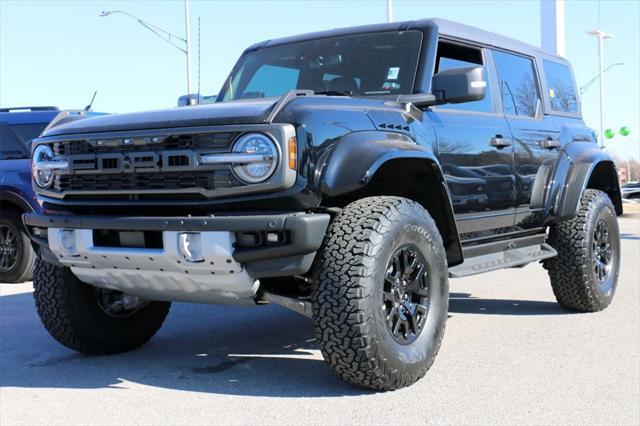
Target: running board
column 502, row 254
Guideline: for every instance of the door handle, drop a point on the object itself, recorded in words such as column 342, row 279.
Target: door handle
column 550, row 143
column 500, row 142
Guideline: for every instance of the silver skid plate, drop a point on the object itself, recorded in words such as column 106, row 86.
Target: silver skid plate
column 158, row 274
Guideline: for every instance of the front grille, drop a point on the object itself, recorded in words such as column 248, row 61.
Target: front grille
column 146, row 163
column 209, row 180
column 207, row 141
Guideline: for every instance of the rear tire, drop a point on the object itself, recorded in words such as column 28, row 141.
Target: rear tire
column 378, row 315
column 584, row 275
column 74, row 314
column 17, row 258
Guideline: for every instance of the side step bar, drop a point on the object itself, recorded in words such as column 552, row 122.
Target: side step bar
column 496, row 255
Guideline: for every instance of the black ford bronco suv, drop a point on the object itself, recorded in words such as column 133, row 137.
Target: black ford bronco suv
column 345, row 174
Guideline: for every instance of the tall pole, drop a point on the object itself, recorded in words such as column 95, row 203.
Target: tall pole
column 389, row 11
column 552, row 26
column 601, row 73
column 188, row 48
column 601, row 36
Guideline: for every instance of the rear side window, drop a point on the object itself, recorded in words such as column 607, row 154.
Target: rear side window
column 562, row 91
column 518, row 84
column 452, row 55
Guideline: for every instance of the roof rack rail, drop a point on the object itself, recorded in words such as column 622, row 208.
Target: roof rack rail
column 30, row 108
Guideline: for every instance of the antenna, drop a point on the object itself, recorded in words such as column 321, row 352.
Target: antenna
column 88, row 107
column 198, row 59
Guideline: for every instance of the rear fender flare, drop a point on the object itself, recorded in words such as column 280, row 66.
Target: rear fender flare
column 581, row 165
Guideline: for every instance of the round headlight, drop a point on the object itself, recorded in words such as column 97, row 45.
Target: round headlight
column 42, row 175
column 259, row 167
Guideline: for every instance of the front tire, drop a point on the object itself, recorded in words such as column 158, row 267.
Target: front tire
column 91, row 320
column 380, row 293
column 584, row 275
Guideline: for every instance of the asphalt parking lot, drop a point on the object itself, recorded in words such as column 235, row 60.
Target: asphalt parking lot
column 510, row 355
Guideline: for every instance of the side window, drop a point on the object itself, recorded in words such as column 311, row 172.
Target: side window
column 518, row 84
column 562, row 92
column 452, row 55
column 271, row 80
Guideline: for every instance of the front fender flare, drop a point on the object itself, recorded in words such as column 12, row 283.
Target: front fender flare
column 362, row 163
column 357, row 156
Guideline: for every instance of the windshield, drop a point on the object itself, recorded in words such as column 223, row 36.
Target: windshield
column 373, row 64
column 15, row 138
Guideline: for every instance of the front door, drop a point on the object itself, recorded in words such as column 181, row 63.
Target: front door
column 475, row 150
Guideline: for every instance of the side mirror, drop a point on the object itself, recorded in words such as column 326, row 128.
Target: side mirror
column 190, row 99
column 457, row 85
column 452, row 86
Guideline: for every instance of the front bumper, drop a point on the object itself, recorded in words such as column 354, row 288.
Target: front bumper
column 226, row 271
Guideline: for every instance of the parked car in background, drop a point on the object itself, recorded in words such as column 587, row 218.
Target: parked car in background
column 18, row 126
column 631, row 190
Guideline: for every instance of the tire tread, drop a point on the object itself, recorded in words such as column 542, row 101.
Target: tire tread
column 340, row 296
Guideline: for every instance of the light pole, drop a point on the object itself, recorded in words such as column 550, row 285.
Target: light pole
column 588, row 84
column 601, row 37
column 187, row 31
column 167, row 36
column 389, row 11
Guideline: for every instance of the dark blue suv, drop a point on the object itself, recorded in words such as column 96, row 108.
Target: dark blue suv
column 18, row 126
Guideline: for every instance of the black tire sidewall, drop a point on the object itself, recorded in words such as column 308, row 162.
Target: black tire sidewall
column 119, row 333
column 24, row 251
column 69, row 310
column 603, row 210
column 414, row 356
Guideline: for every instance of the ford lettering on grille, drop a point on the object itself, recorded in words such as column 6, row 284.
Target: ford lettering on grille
column 128, row 162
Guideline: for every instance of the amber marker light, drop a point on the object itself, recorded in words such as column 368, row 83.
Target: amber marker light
column 293, row 153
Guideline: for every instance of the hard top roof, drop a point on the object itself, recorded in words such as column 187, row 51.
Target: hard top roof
column 28, row 115
column 445, row 28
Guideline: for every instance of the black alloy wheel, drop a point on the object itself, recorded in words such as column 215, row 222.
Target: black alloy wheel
column 406, row 294
column 8, row 248
column 602, row 252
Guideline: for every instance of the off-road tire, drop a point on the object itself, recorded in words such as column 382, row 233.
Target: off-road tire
column 22, row 269
column 70, row 312
column 347, row 293
column 573, row 279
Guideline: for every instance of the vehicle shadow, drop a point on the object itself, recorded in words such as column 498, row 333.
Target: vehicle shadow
column 465, row 303
column 265, row 351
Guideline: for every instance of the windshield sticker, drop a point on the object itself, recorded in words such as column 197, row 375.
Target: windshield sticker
column 393, row 73
column 552, row 93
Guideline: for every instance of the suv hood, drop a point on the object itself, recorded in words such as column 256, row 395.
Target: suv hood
column 252, row 111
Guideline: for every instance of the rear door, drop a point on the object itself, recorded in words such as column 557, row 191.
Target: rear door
column 475, row 148
column 536, row 136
